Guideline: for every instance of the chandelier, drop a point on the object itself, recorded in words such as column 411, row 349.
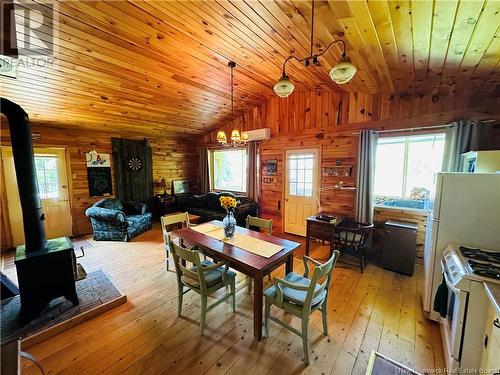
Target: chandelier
column 236, row 138
column 341, row 73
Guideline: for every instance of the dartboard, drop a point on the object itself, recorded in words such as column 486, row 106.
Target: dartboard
column 134, row 164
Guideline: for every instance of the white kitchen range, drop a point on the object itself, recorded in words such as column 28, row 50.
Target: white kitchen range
column 465, row 271
column 462, row 270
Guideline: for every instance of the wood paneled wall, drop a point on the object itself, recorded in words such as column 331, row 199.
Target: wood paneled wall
column 331, row 121
column 172, row 159
column 331, row 111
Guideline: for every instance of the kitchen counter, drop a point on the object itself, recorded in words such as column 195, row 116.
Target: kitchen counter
column 493, row 293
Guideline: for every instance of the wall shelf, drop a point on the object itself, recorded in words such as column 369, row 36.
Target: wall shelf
column 337, row 171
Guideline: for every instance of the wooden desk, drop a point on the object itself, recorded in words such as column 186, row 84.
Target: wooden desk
column 252, row 265
column 321, row 230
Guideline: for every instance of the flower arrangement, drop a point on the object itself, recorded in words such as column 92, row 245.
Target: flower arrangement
column 228, row 203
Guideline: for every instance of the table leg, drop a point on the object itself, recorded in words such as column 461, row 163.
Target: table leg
column 257, row 306
column 289, row 264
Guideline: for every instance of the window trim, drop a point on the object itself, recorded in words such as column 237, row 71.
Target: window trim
column 211, row 170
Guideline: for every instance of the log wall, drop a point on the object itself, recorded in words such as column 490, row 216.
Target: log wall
column 172, row 159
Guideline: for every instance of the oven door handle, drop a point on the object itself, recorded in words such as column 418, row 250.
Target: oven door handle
column 448, row 282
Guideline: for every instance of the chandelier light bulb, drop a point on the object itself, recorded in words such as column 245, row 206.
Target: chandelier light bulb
column 221, row 137
column 235, row 135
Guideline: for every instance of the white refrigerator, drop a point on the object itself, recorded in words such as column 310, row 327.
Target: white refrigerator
column 466, row 211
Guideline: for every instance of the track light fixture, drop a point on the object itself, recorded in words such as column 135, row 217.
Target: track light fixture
column 341, row 73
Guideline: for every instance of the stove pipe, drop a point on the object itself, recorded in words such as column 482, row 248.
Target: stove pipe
column 24, row 161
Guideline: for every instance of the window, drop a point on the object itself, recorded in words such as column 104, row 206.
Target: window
column 300, row 181
column 405, row 169
column 46, row 173
column 230, row 170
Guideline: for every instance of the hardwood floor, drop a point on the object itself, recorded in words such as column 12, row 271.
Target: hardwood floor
column 378, row 310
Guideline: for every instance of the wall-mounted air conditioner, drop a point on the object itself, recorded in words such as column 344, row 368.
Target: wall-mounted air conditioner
column 259, row 134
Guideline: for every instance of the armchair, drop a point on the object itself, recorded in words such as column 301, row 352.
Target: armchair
column 113, row 220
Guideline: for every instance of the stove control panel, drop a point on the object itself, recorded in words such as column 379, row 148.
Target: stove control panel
column 453, row 266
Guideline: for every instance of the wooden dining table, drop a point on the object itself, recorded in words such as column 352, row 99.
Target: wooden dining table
column 248, row 263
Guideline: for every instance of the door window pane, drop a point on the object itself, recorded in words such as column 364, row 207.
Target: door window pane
column 300, row 174
column 46, row 173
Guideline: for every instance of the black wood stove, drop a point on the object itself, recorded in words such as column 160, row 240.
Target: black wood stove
column 45, row 269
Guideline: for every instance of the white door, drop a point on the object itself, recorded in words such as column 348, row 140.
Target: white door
column 50, row 164
column 301, row 189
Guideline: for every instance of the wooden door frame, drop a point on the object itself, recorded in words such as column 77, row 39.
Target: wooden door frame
column 319, row 148
column 69, row 174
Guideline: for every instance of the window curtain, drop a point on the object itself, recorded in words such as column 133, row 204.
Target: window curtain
column 458, row 138
column 464, row 136
column 204, row 171
column 365, row 180
column 253, row 176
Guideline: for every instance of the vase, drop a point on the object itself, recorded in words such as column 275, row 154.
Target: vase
column 229, row 225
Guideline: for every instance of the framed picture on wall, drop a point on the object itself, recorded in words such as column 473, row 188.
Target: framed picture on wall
column 180, row 187
column 99, row 174
column 271, row 167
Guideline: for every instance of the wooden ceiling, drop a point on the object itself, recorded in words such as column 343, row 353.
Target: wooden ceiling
column 160, row 67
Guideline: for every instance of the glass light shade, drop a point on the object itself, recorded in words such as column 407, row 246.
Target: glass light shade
column 284, row 87
column 221, row 137
column 235, row 135
column 343, row 71
column 244, row 136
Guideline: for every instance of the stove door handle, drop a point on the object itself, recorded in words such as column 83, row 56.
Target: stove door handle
column 448, row 281
column 496, row 323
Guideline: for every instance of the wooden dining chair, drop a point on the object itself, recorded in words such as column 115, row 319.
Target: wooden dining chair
column 257, row 222
column 350, row 237
column 203, row 278
column 166, row 222
column 301, row 296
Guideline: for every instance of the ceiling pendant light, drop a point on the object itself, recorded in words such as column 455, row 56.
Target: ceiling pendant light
column 341, row 73
column 283, row 87
column 236, row 138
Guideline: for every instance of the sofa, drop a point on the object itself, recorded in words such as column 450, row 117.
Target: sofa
column 208, row 207
column 113, row 220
